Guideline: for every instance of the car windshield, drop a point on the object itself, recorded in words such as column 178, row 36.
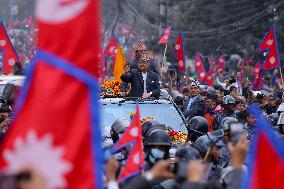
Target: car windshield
column 163, row 113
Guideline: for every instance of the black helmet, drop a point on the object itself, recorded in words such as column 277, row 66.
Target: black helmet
column 149, row 126
column 196, row 126
column 228, row 100
column 158, row 137
column 204, row 142
column 118, row 128
column 227, row 121
column 188, row 152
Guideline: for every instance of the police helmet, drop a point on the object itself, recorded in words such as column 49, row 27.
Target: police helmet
column 204, row 142
column 158, row 137
column 228, row 99
column 196, row 126
column 226, row 122
column 149, row 126
column 187, row 152
column 118, row 128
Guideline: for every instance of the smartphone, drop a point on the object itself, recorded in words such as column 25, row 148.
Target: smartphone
column 10, row 181
column 180, row 169
column 236, row 130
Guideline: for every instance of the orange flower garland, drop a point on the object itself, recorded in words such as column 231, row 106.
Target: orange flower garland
column 111, row 88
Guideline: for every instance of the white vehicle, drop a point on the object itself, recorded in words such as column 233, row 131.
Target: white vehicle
column 17, row 81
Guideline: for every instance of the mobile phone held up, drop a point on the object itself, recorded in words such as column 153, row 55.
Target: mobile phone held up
column 236, row 130
column 8, row 181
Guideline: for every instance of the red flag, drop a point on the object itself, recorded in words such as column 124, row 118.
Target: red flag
column 9, row 54
column 212, row 63
column 111, row 47
column 56, row 124
column 256, row 70
column 209, row 77
column 200, row 68
column 180, row 53
column 269, row 44
column 221, row 64
column 133, row 137
column 165, row 37
column 266, row 160
column 258, row 81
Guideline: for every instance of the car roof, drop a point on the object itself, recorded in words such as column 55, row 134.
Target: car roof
column 17, row 80
column 133, row 101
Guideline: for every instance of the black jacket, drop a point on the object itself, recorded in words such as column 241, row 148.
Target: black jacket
column 196, row 108
column 153, row 67
column 137, row 84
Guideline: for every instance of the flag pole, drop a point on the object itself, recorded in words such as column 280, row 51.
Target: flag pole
column 164, row 57
column 281, row 76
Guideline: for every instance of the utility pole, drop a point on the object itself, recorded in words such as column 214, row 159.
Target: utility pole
column 163, row 24
column 163, row 15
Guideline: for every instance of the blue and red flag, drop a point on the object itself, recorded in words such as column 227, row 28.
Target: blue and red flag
column 165, row 37
column 200, row 68
column 269, row 44
column 266, row 160
column 209, row 77
column 56, row 129
column 132, row 137
column 258, row 81
column 256, row 70
column 180, row 53
column 9, row 54
column 110, row 50
column 212, row 64
column 221, row 63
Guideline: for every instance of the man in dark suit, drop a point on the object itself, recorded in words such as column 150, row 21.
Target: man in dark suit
column 195, row 104
column 140, row 49
column 144, row 83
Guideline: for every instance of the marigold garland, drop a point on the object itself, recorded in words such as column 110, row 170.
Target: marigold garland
column 177, row 136
column 111, row 88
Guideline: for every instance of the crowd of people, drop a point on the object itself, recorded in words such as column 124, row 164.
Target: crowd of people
column 219, row 129
column 219, row 125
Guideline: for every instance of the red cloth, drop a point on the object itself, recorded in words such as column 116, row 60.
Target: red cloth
column 200, row 68
column 57, row 126
column 209, row 78
column 10, row 56
column 110, row 49
column 266, row 156
column 269, row 44
column 133, row 137
column 221, row 64
column 165, row 37
column 180, row 53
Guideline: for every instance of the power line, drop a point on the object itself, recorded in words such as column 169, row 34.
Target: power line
column 240, row 23
column 251, row 11
column 232, row 3
column 219, row 13
column 228, row 33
